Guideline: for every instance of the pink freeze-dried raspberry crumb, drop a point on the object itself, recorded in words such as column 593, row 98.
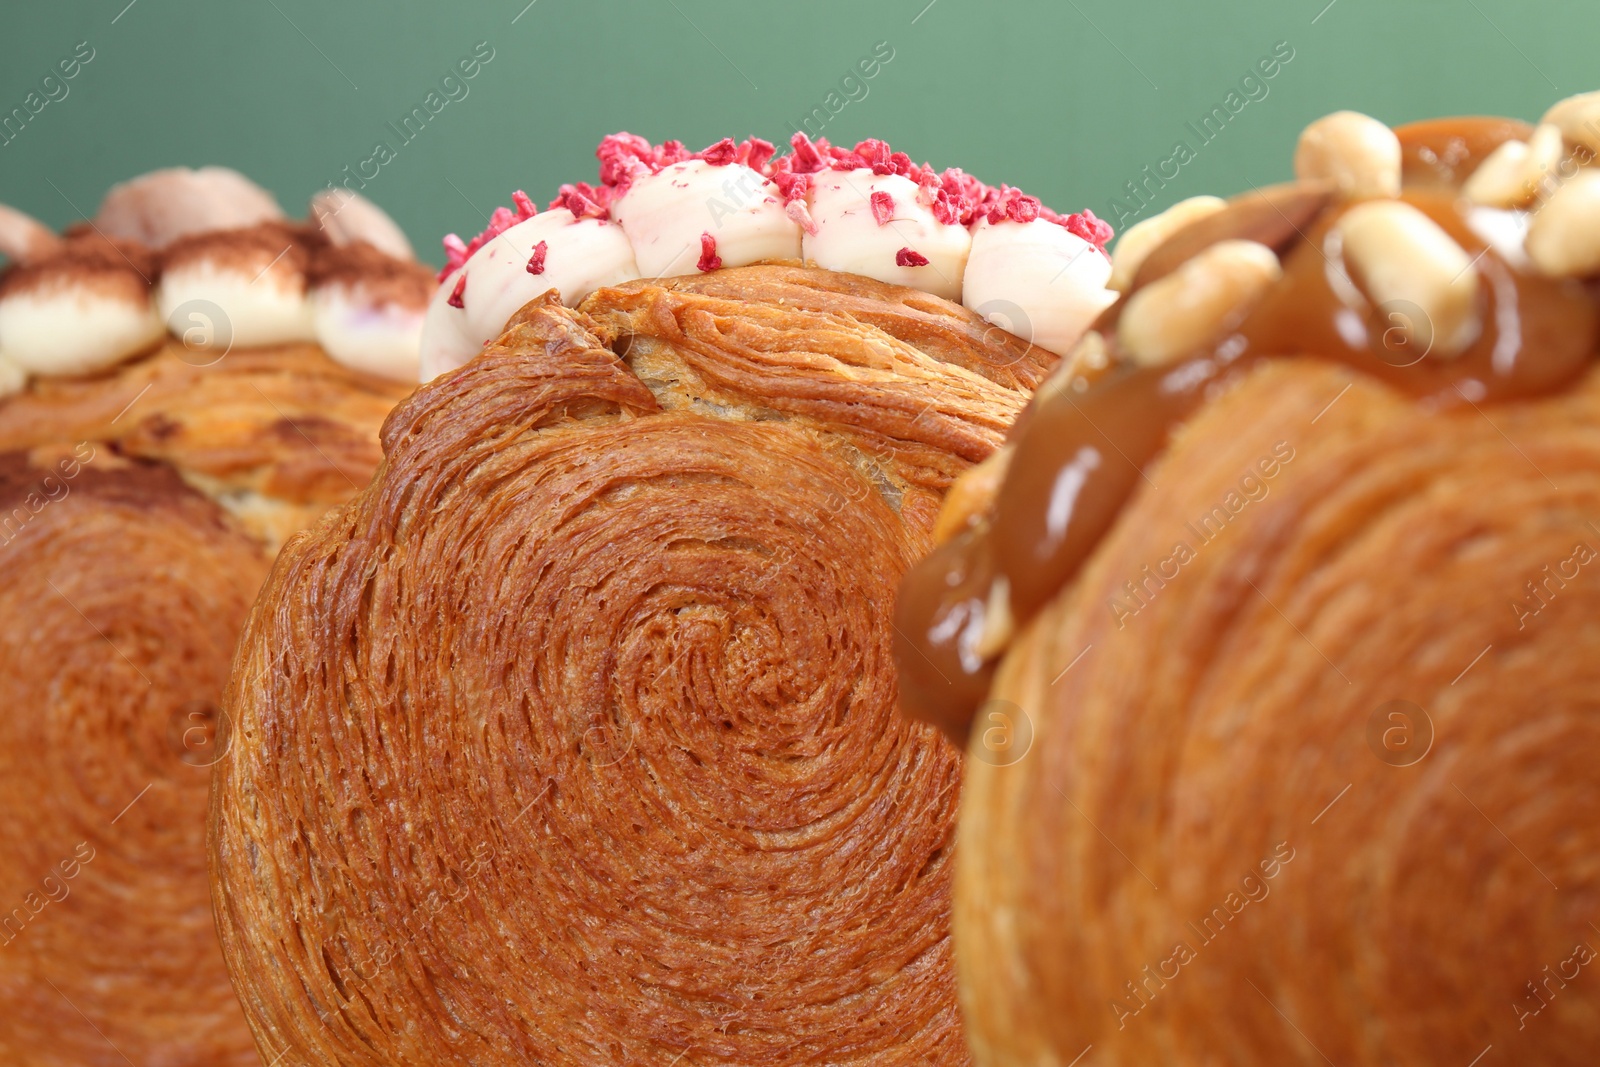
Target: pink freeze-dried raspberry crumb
column 806, row 157
column 755, row 154
column 455, row 254
column 882, row 207
column 458, row 297
column 720, row 154
column 709, row 260
column 954, row 197
column 584, row 200
column 536, row 261
column 797, row 210
column 1094, row 230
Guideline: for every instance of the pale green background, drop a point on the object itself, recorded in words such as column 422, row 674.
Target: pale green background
column 1066, row 98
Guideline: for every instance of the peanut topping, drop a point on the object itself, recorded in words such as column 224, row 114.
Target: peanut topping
column 999, row 621
column 971, row 495
column 1356, row 152
column 1512, row 174
column 1564, row 238
column 1198, row 303
column 1578, row 118
column 1143, row 238
column 1411, row 268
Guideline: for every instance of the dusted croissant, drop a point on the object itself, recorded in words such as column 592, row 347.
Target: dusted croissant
column 573, row 738
column 140, row 506
column 122, row 597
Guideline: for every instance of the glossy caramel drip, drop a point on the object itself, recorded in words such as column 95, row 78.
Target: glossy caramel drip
column 1538, row 333
column 1275, row 216
column 1081, row 454
column 1446, row 151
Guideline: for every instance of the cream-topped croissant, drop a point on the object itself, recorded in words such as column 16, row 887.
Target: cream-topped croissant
column 574, row 738
column 148, row 473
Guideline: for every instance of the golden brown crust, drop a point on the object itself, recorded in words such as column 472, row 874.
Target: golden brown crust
column 579, row 742
column 910, row 377
column 277, row 434
column 1225, row 719
column 937, row 328
column 99, row 704
column 122, row 592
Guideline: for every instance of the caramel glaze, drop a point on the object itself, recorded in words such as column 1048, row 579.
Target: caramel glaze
column 1081, row 454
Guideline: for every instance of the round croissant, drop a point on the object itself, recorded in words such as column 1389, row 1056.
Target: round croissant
column 122, row 595
column 573, row 739
column 1318, row 787
column 139, row 511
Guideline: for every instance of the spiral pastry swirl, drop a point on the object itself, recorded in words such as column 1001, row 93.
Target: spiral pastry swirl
column 573, row 739
column 121, row 600
column 1320, row 788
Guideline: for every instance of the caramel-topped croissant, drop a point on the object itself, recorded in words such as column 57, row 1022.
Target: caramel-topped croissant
column 1284, row 614
column 1321, row 782
column 573, row 738
column 140, row 506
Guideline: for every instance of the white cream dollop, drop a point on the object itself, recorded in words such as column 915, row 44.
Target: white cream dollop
column 347, row 217
column 212, row 305
column 665, row 214
column 71, row 328
column 445, row 343
column 581, row 255
column 1037, row 280
column 377, row 337
column 159, row 207
column 13, row 379
column 849, row 238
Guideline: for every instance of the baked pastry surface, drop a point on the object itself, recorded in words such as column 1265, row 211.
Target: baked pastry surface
column 186, row 380
column 121, row 599
column 276, row 434
column 1218, row 826
column 574, row 738
column 139, row 512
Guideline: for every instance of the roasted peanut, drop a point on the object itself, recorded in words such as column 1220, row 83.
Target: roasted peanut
column 1578, row 118
column 972, row 495
column 1197, row 303
column 1408, row 265
column 1143, row 238
column 1564, row 237
column 1512, row 174
column 999, row 623
column 1356, row 152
